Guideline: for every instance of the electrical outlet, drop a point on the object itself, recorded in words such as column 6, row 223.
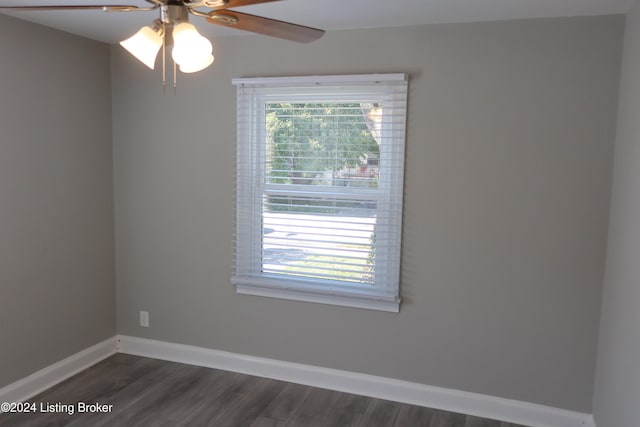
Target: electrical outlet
column 144, row 319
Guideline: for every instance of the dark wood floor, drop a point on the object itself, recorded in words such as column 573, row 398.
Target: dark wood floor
column 148, row 392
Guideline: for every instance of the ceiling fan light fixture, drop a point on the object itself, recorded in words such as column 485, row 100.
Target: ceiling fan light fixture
column 191, row 51
column 145, row 45
column 195, row 66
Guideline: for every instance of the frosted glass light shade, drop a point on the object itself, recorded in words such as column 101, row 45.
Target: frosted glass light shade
column 195, row 66
column 144, row 45
column 191, row 51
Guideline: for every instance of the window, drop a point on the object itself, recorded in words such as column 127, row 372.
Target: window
column 320, row 164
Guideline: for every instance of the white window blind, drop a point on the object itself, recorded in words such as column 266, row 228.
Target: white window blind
column 319, row 182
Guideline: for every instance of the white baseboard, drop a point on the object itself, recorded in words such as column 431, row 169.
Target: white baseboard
column 513, row 411
column 37, row 382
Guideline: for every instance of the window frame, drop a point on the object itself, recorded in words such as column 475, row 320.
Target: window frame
column 254, row 94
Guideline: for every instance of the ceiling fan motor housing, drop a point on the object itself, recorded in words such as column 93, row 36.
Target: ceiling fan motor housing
column 174, row 13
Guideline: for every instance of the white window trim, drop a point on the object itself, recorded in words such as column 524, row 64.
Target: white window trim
column 248, row 226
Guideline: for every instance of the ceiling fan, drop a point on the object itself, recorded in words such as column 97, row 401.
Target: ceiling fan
column 190, row 51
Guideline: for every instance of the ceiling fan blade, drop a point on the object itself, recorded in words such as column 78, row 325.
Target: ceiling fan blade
column 266, row 26
column 106, row 8
column 228, row 4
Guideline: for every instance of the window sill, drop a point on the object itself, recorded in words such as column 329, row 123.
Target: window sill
column 319, row 298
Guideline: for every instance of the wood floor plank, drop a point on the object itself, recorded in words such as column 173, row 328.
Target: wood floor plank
column 472, row 421
column 380, row 413
column 149, row 409
column 286, row 402
column 210, row 384
column 134, row 391
column 447, row 419
column 314, row 409
column 414, row 416
column 347, row 411
column 121, row 402
column 267, row 422
column 244, row 411
column 205, row 410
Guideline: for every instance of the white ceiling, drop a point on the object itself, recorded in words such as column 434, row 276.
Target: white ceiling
column 324, row 14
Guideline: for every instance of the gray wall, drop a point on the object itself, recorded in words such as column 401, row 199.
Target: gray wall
column 509, row 156
column 618, row 369
column 57, row 284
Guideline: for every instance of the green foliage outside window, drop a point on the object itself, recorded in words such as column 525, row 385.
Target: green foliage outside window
column 306, row 140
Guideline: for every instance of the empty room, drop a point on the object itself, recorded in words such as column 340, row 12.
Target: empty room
column 320, row 213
